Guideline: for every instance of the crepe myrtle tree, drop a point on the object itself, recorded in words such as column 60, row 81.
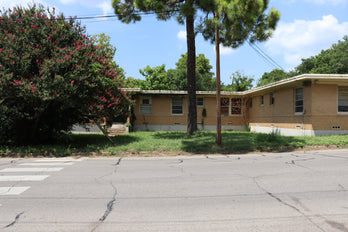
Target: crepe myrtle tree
column 52, row 75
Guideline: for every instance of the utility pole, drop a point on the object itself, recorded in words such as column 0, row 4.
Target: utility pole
column 218, row 83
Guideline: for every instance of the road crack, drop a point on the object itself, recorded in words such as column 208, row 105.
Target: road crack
column 15, row 220
column 337, row 225
column 286, row 204
column 110, row 204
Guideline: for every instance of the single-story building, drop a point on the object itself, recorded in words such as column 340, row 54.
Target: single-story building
column 310, row 104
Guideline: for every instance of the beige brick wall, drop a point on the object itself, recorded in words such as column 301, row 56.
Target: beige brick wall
column 282, row 113
column 324, row 108
column 320, row 103
column 161, row 113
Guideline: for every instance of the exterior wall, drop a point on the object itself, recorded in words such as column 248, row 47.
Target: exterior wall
column 161, row 117
column 320, row 103
column 325, row 116
column 280, row 118
column 161, row 113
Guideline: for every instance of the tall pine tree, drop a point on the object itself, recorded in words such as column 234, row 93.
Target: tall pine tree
column 185, row 13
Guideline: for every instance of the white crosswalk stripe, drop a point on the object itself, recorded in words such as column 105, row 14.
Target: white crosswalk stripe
column 12, row 190
column 24, row 178
column 46, row 164
column 58, row 160
column 31, row 169
column 27, row 172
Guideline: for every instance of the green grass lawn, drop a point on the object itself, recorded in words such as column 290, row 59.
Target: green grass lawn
column 172, row 143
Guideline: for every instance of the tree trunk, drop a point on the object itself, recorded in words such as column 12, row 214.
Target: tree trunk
column 191, row 74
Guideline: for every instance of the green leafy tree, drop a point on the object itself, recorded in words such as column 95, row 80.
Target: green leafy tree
column 273, row 76
column 155, row 78
column 131, row 82
column 240, row 82
column 331, row 61
column 52, row 76
column 105, row 41
column 185, row 12
column 204, row 75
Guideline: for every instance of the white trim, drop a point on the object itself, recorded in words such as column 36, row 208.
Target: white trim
column 183, row 106
column 296, row 132
column 147, row 105
column 197, row 102
column 337, row 94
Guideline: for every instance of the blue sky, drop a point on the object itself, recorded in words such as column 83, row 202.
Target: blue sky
column 306, row 27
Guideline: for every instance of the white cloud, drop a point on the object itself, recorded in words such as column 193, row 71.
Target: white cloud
column 323, row 2
column 319, row 2
column 12, row 3
column 302, row 39
column 182, row 35
column 226, row 50
column 105, row 5
column 67, row 1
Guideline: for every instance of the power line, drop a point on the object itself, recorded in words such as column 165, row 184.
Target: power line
column 266, row 57
column 110, row 16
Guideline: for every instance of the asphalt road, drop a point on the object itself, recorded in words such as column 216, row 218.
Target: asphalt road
column 302, row 191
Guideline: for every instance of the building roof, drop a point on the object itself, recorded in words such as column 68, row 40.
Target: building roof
column 341, row 79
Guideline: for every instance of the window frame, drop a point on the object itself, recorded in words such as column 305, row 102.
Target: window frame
column 225, row 106
column 271, row 99
column 262, row 100
column 142, row 106
column 181, row 105
column 338, row 99
column 202, row 105
column 296, row 105
column 233, row 106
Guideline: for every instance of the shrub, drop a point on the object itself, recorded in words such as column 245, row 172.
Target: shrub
column 52, row 75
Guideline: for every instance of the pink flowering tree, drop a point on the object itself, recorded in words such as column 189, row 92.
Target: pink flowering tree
column 52, row 75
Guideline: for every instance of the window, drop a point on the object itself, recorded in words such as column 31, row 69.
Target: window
column 299, row 100
column 200, row 101
column 225, row 106
column 236, row 106
column 342, row 99
column 271, row 98
column 251, row 103
column 146, row 106
column 177, row 105
column 261, row 100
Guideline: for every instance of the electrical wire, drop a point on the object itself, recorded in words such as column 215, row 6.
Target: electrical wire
column 266, row 57
column 100, row 18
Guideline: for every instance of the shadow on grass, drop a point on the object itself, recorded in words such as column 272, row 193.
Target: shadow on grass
column 169, row 135
column 67, row 145
column 240, row 142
